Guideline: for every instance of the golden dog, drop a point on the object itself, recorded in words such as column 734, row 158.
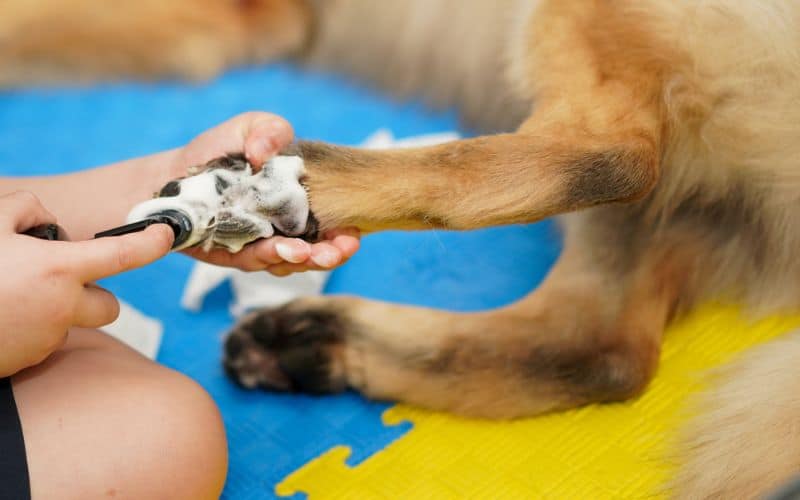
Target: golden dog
column 664, row 133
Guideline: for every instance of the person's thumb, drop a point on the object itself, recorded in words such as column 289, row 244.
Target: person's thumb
column 21, row 211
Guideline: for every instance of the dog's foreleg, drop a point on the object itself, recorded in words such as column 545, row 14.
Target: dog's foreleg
column 492, row 180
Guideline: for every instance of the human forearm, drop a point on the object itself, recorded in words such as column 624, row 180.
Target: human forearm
column 89, row 201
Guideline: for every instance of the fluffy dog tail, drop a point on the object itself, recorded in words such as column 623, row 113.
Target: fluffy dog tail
column 746, row 442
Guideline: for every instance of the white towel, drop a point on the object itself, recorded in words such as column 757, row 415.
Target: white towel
column 136, row 330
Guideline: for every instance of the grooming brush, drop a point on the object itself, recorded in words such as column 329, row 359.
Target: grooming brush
column 178, row 221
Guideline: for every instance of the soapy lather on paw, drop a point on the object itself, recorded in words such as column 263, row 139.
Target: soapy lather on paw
column 227, row 205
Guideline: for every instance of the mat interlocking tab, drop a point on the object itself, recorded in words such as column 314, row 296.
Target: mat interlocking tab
column 602, row 451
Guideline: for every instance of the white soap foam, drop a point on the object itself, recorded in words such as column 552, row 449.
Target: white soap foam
column 249, row 207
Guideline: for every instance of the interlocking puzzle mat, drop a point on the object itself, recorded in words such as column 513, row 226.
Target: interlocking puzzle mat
column 291, row 445
column 619, row 451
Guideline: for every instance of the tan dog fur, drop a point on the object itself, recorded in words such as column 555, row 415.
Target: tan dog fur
column 666, row 133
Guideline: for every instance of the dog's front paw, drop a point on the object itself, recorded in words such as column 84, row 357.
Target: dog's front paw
column 297, row 348
column 229, row 206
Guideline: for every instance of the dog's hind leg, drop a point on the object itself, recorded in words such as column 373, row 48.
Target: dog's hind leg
column 587, row 335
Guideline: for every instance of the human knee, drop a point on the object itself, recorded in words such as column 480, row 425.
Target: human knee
column 188, row 436
column 147, row 431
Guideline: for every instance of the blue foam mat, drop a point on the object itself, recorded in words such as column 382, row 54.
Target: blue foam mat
column 45, row 131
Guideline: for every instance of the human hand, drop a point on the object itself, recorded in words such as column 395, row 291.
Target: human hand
column 261, row 136
column 47, row 285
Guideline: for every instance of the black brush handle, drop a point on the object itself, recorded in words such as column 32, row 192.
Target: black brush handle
column 50, row 232
column 179, row 222
column 133, row 227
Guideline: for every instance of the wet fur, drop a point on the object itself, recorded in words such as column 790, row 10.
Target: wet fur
column 664, row 132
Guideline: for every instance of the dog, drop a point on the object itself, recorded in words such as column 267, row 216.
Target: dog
column 664, row 134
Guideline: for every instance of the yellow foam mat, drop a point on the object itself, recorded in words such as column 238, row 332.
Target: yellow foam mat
column 602, row 451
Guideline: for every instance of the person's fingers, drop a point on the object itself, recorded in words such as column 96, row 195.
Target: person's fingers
column 290, row 255
column 247, row 259
column 266, row 136
column 218, row 257
column 97, row 307
column 270, row 255
column 291, row 250
column 279, row 270
column 286, row 268
column 347, row 240
column 325, row 255
column 348, row 245
column 337, row 250
column 22, row 210
column 103, row 257
column 278, row 267
column 257, row 255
